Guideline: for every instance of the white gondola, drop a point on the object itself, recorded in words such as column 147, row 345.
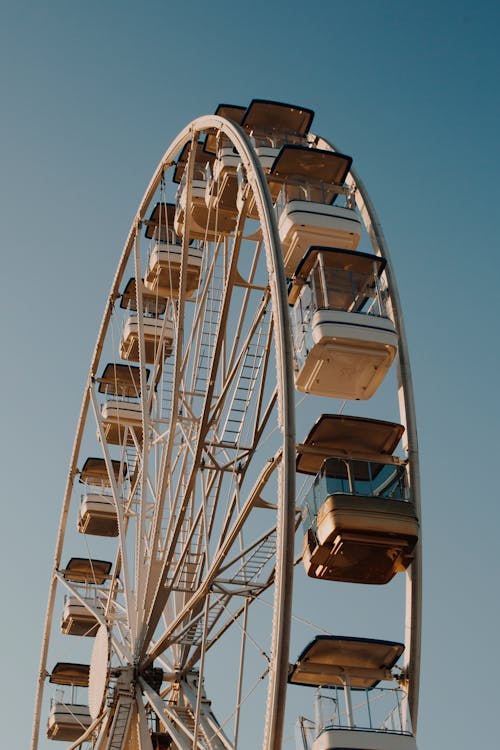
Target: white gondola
column 222, row 189
column 164, row 264
column 310, row 181
column 270, row 125
column 88, row 576
column 122, row 417
column 157, row 332
column 348, row 674
column 304, row 223
column 77, row 619
column 344, row 342
column 360, row 525
column 97, row 516
column 67, row 721
column 119, row 418
column 205, row 223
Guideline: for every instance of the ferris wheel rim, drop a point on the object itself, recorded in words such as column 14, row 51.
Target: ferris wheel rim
column 281, row 622
column 413, row 625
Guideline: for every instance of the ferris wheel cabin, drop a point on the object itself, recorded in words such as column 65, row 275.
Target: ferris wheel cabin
column 157, row 330
column 344, row 342
column 97, row 516
column 121, row 416
column 272, row 124
column 358, row 703
column 222, row 188
column 308, row 182
column 205, row 222
column 68, row 719
column 88, row 577
column 359, row 522
column 158, row 334
column 164, row 264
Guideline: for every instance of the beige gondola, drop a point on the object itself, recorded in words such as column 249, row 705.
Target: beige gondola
column 67, row 721
column 119, row 420
column 205, row 222
column 344, row 341
column 270, row 125
column 97, row 516
column 360, row 525
column 222, row 188
column 157, row 333
column 121, row 417
column 347, row 665
column 78, row 619
column 89, row 575
column 164, row 264
column 309, row 182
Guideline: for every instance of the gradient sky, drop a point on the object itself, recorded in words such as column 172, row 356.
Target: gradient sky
column 92, row 94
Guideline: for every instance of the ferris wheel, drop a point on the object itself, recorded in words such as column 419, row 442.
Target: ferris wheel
column 242, row 291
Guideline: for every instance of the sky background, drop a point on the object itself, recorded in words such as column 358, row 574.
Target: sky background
column 92, row 94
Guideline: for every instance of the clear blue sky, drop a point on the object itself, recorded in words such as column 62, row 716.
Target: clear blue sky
column 92, row 93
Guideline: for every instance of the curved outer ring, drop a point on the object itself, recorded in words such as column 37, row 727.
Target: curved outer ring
column 286, row 412
column 413, row 625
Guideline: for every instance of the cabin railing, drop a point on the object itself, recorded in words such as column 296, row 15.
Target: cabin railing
column 377, row 710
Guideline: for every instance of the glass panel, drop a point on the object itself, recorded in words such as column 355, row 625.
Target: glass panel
column 379, row 709
column 341, row 289
column 340, row 476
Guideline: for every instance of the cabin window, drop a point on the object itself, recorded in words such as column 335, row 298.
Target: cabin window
column 345, row 289
column 346, row 476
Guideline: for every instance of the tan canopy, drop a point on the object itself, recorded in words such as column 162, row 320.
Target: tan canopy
column 330, row 660
column 86, row 570
column 150, row 302
column 67, row 673
column 353, row 437
column 94, row 471
column 268, row 115
column 121, row 380
column 311, row 164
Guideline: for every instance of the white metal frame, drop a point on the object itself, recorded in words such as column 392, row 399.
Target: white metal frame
column 146, row 590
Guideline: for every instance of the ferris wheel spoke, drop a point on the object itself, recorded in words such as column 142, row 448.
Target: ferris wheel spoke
column 229, row 540
column 204, row 424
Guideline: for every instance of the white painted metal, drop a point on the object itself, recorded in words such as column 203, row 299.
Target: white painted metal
column 283, row 396
column 408, row 419
column 171, row 587
column 306, row 223
column 345, row 739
